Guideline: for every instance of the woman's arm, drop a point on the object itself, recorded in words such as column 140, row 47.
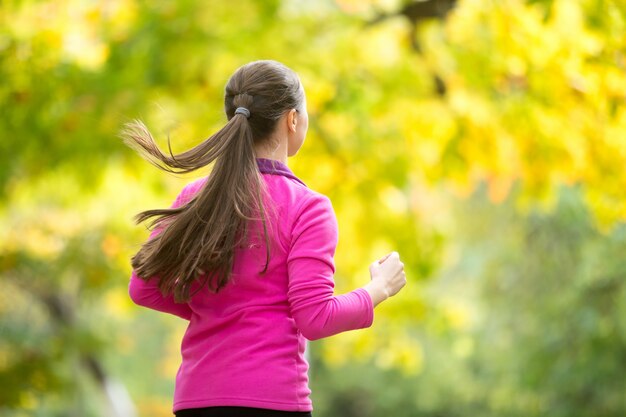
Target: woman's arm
column 147, row 293
column 317, row 312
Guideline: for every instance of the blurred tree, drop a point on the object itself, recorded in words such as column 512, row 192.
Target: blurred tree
column 554, row 293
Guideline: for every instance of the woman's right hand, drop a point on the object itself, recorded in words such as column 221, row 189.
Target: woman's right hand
column 388, row 278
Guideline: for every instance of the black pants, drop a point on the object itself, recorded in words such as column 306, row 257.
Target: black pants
column 238, row 412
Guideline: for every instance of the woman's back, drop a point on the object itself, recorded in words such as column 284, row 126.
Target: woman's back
column 244, row 345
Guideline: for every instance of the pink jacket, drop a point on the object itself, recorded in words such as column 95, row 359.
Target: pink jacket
column 245, row 345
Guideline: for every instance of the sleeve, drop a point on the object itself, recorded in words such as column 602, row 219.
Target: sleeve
column 146, row 293
column 316, row 311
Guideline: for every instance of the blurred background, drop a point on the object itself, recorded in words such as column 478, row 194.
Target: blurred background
column 485, row 141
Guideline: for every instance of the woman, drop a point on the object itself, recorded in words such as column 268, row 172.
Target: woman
column 246, row 255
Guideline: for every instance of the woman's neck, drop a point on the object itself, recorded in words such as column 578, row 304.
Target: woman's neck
column 279, row 153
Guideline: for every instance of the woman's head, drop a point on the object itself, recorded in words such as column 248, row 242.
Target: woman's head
column 204, row 233
column 275, row 98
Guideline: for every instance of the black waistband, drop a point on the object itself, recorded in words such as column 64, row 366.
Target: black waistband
column 238, row 412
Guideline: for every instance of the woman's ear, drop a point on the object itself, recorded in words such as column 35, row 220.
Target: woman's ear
column 292, row 120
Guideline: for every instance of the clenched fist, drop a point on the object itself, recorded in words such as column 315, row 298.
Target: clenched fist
column 387, row 278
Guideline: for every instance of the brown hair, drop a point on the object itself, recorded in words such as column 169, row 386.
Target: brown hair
column 202, row 235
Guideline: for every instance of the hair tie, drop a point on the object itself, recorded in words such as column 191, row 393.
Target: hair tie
column 244, row 111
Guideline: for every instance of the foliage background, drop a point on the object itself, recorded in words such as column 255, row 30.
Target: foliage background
column 483, row 140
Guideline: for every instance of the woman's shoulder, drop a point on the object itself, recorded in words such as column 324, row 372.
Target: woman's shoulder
column 315, row 205
column 189, row 190
column 195, row 185
column 296, row 194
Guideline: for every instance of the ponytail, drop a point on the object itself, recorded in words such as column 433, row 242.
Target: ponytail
column 204, row 232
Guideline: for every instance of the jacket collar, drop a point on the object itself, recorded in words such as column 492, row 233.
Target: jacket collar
column 275, row 167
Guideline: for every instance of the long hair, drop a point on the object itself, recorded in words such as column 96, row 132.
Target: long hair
column 200, row 237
